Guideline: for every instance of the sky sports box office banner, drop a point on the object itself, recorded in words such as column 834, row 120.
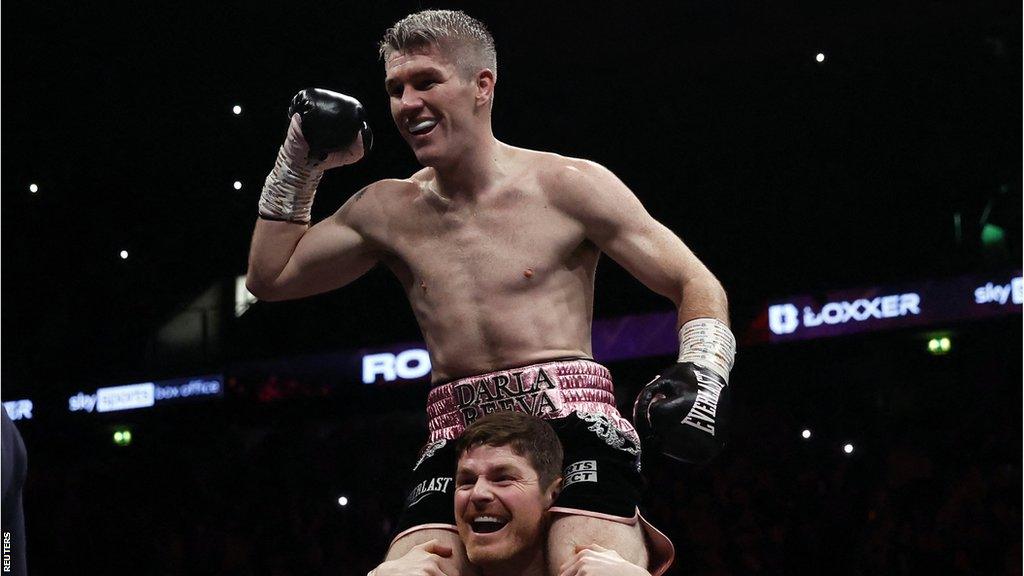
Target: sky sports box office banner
column 134, row 396
column 837, row 313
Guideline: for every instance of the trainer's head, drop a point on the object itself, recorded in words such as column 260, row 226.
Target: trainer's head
column 440, row 70
column 508, row 475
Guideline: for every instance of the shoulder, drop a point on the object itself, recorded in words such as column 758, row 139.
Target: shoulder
column 388, row 188
column 377, row 202
column 391, row 191
column 565, row 176
column 575, row 184
column 556, row 171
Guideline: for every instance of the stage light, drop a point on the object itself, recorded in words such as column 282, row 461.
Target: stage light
column 806, row 434
column 123, row 437
column 238, row 185
column 33, row 188
column 848, row 448
column 342, row 501
column 124, row 254
column 820, row 57
column 992, row 235
column 237, row 110
column 940, row 345
column 993, row 222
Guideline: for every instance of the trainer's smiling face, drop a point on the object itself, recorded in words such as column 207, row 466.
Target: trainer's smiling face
column 434, row 107
column 500, row 506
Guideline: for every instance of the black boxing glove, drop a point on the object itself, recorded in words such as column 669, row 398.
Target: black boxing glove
column 684, row 412
column 322, row 123
column 330, row 121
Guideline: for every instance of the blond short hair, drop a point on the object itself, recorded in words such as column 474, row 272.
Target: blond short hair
column 461, row 37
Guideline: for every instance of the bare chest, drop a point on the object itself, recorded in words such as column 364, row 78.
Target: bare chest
column 511, row 242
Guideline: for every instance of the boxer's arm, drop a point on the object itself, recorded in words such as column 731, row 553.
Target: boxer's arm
column 615, row 220
column 287, row 258
column 290, row 260
column 685, row 410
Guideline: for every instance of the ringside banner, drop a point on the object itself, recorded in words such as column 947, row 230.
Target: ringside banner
column 147, row 394
column 845, row 312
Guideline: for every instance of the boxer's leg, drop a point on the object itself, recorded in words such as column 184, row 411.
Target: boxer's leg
column 601, row 490
column 429, row 512
column 569, row 531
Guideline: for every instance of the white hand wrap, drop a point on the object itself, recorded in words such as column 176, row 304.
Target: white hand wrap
column 289, row 189
column 708, row 343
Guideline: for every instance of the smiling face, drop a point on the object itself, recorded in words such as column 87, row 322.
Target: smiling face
column 438, row 110
column 500, row 505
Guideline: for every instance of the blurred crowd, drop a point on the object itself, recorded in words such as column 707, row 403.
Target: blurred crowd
column 932, row 486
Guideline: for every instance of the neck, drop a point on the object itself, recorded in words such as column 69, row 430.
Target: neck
column 530, row 561
column 534, row 565
column 474, row 171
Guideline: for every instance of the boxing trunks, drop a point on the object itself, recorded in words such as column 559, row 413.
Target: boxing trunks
column 601, row 476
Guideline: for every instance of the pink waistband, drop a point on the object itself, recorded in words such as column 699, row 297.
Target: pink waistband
column 547, row 390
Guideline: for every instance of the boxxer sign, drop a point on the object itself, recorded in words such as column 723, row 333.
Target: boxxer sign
column 786, row 318
column 928, row 302
column 783, row 318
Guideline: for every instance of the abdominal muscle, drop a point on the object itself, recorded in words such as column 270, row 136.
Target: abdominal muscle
column 471, row 338
column 495, row 311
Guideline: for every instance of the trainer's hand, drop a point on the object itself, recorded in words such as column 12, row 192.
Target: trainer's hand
column 331, row 126
column 422, row 560
column 593, row 560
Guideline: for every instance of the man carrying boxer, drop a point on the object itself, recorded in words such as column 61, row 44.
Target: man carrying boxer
column 507, row 478
column 496, row 248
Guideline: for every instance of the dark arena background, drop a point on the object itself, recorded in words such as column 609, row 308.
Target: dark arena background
column 851, row 172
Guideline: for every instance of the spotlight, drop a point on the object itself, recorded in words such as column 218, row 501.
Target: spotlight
column 123, row 437
column 124, row 254
column 237, row 110
column 820, row 57
column 848, row 448
column 342, row 501
column 939, row 345
column 238, row 185
column 33, row 188
column 806, row 433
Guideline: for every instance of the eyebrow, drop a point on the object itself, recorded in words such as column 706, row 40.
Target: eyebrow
column 500, row 469
column 389, row 82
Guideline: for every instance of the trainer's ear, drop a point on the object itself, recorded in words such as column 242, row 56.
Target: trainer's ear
column 485, row 81
column 554, row 490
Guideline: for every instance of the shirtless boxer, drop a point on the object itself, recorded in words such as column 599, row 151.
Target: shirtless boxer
column 496, row 248
column 508, row 476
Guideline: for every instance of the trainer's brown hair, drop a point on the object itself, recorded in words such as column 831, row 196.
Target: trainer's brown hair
column 463, row 38
column 527, row 436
